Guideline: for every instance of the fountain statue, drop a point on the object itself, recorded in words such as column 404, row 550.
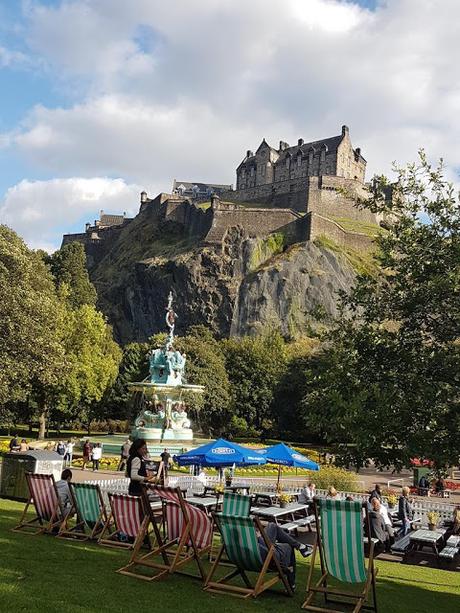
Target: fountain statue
column 162, row 412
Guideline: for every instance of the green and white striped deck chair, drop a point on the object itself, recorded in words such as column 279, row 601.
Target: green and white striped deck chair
column 340, row 542
column 236, row 504
column 239, row 541
column 89, row 508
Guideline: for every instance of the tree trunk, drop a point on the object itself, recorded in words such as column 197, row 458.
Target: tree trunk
column 42, row 425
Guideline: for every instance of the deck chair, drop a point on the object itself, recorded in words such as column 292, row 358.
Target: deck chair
column 44, row 497
column 239, row 541
column 340, row 542
column 236, row 504
column 89, row 508
column 127, row 519
column 188, row 538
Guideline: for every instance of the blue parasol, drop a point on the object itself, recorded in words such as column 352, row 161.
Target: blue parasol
column 220, row 453
column 283, row 455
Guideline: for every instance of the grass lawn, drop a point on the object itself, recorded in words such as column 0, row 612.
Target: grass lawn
column 42, row 573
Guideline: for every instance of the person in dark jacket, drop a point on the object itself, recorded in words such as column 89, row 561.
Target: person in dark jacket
column 376, row 493
column 136, row 468
column 378, row 527
column 405, row 511
column 423, row 486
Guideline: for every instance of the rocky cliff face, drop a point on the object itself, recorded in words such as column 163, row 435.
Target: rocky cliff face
column 249, row 284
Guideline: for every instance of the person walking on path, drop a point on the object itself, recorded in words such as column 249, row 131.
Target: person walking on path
column 68, row 453
column 97, row 455
column 124, row 455
column 87, row 449
column 166, row 459
column 60, row 448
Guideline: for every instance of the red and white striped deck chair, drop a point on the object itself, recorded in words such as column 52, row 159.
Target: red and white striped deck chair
column 44, row 497
column 188, row 538
column 126, row 521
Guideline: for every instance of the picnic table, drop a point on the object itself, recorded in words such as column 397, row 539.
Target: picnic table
column 204, row 503
column 277, row 513
column 426, row 538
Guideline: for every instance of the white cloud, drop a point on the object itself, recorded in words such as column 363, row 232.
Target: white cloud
column 182, row 89
column 35, row 209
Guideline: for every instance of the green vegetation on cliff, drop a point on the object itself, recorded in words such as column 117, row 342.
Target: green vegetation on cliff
column 362, row 262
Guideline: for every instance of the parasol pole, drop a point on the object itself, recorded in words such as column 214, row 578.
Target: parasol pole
column 279, row 477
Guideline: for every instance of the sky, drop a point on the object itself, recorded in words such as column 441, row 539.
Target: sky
column 101, row 99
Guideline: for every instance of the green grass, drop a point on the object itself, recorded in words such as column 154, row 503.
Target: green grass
column 41, row 573
column 352, row 225
column 362, row 262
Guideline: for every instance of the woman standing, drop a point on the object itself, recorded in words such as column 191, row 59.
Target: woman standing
column 136, row 468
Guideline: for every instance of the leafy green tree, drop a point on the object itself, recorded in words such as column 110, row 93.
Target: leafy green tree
column 117, row 402
column 206, row 366
column 255, row 365
column 30, row 316
column 68, row 266
column 388, row 386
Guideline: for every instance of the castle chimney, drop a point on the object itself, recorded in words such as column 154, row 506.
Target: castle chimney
column 345, row 130
column 358, row 151
column 300, row 142
column 249, row 153
column 87, row 226
column 101, row 212
column 143, row 196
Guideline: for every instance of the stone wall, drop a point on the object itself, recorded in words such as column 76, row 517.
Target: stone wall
column 335, row 197
column 321, row 226
column 253, row 222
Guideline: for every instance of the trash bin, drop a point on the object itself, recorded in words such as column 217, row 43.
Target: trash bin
column 13, row 482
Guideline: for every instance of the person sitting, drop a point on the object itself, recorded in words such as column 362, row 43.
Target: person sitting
column 63, row 491
column 376, row 493
column 14, row 445
column 331, row 492
column 307, row 493
column 439, row 486
column 454, row 524
column 405, row 511
column 423, row 486
column 285, row 546
column 377, row 524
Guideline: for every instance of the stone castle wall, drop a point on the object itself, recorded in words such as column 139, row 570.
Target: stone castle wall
column 317, row 226
column 253, row 222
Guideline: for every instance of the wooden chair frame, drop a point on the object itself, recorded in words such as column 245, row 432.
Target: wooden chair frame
column 270, row 564
column 111, row 529
column 357, row 599
column 39, row 525
column 173, row 553
column 79, row 531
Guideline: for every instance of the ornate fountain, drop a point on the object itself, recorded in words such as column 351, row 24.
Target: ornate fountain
column 162, row 414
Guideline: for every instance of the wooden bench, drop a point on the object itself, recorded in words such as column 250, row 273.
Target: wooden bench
column 304, row 522
column 453, row 541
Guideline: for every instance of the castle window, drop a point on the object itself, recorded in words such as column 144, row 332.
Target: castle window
column 299, row 160
column 323, row 155
column 252, row 171
column 310, row 158
column 288, row 162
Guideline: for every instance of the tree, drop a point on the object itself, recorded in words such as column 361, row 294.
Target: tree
column 206, row 366
column 30, row 348
column 68, row 266
column 388, row 386
column 255, row 366
column 117, row 401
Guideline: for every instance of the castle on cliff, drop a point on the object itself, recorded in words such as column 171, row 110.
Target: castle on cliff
column 303, row 191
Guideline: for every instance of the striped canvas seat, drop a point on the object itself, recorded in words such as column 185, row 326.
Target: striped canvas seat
column 236, row 504
column 241, row 544
column 343, row 539
column 90, row 512
column 44, row 498
column 340, row 542
column 240, row 540
column 126, row 521
column 189, row 536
